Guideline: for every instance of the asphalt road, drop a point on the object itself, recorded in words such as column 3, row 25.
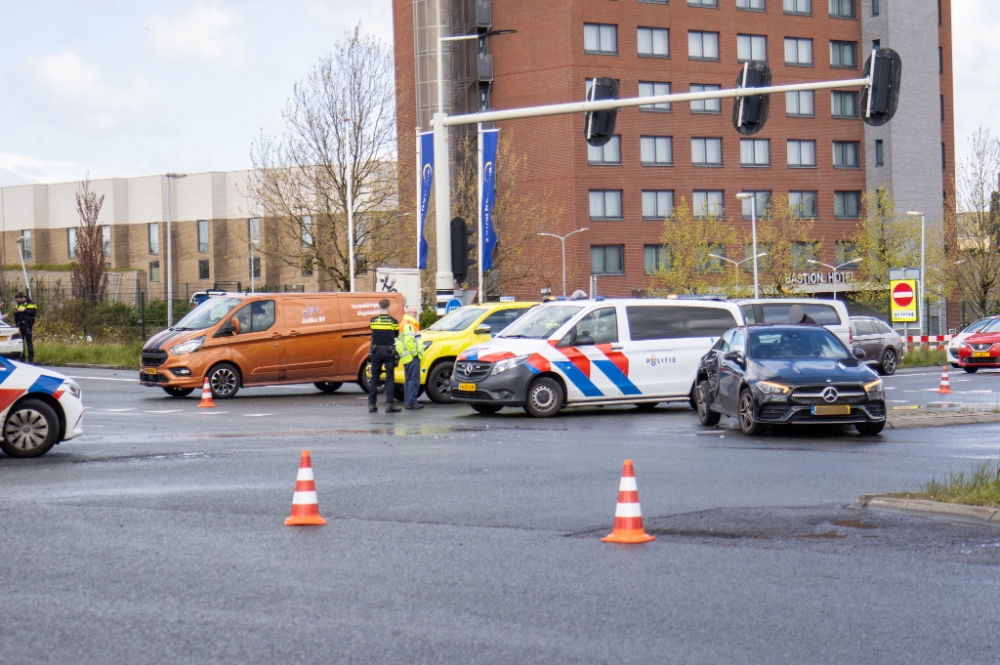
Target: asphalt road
column 459, row 538
column 918, row 386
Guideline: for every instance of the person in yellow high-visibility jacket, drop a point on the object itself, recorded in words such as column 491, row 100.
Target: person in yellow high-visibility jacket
column 411, row 351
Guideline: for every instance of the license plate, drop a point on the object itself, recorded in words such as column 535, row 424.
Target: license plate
column 980, row 354
column 832, row 410
column 150, row 371
column 467, row 387
column 4, row 339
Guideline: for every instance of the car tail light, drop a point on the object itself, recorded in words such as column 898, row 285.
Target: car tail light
column 16, row 335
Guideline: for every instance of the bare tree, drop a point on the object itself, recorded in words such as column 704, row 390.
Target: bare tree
column 340, row 126
column 90, row 280
column 976, row 266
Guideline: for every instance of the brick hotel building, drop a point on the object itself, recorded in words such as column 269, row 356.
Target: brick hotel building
column 814, row 146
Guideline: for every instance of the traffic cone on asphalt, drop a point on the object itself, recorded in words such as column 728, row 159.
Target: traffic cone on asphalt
column 945, row 388
column 628, row 516
column 206, row 397
column 305, row 509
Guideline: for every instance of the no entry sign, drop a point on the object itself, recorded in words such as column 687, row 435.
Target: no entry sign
column 903, row 299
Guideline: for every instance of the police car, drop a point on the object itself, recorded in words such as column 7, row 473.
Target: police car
column 38, row 408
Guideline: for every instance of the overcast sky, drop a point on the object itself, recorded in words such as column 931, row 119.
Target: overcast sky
column 125, row 88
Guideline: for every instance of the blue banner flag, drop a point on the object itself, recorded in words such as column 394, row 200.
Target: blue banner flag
column 490, row 137
column 426, row 176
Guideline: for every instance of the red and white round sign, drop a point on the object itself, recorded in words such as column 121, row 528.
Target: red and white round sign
column 902, row 295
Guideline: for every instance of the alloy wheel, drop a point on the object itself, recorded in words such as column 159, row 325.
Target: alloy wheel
column 26, row 429
column 223, row 382
column 746, row 411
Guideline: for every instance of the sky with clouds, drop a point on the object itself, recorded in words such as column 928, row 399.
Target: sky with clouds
column 124, row 88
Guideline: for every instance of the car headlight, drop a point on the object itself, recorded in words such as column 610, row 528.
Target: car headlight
column 427, row 345
column 773, row 388
column 508, row 364
column 963, row 345
column 188, row 347
column 73, row 389
column 874, row 386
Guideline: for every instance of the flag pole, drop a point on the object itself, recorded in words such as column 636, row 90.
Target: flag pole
column 480, row 211
column 419, row 188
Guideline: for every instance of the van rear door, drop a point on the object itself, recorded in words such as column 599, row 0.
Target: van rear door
column 313, row 329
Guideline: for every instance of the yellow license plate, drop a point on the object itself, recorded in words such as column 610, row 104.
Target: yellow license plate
column 4, row 339
column 151, row 371
column 833, row 410
column 467, row 387
column 980, row 354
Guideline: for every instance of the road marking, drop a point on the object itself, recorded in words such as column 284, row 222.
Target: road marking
column 211, row 413
column 256, row 415
column 889, row 387
column 897, row 400
column 100, row 378
column 976, row 392
column 116, row 410
column 165, row 411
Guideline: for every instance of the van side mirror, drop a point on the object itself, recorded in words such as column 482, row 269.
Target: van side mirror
column 484, row 330
column 584, row 340
column 859, row 353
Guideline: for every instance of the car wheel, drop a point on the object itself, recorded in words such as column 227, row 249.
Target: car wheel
column 971, row 370
column 870, row 429
column 398, row 393
column 328, row 386
column 703, row 402
column 954, row 365
column 224, row 380
column 31, row 429
column 888, row 366
column 365, row 379
column 545, row 397
column 178, row 392
column 439, row 383
column 486, row 409
column 748, row 415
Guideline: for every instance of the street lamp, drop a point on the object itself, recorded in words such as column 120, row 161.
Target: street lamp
column 20, row 251
column 562, row 239
column 170, row 273
column 738, row 263
column 923, row 314
column 834, row 269
column 753, row 224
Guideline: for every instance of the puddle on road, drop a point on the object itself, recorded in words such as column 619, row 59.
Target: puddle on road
column 853, row 524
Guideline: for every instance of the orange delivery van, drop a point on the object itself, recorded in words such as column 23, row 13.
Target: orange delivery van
column 241, row 340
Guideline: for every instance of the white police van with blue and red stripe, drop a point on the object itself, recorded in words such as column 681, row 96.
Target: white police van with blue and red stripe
column 38, row 408
column 593, row 352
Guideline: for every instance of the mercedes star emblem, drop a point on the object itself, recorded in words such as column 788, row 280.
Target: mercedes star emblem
column 829, row 394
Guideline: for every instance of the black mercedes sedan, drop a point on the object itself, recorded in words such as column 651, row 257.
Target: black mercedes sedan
column 765, row 375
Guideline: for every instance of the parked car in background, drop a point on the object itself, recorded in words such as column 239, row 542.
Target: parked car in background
column 981, row 349
column 957, row 339
column 883, row 346
column 831, row 314
column 11, row 344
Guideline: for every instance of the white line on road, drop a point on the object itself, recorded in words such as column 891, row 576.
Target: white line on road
column 257, row 415
column 101, row 378
column 165, row 411
column 902, row 401
column 116, row 410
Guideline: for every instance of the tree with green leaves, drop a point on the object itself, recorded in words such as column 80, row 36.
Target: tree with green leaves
column 785, row 232
column 685, row 265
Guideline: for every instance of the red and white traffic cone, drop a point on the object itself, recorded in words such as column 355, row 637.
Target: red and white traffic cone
column 628, row 515
column 945, row 388
column 305, row 508
column 206, row 396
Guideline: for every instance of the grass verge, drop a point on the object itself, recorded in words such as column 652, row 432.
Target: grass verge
column 981, row 487
column 60, row 353
column 924, row 358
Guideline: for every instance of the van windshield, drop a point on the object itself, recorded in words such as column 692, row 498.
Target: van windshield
column 460, row 319
column 207, row 314
column 541, row 322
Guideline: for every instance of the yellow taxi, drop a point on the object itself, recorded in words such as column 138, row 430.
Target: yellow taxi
column 454, row 333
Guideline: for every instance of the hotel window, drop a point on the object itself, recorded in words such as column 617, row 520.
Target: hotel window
column 607, row 259
column 703, row 3
column 307, row 267
column 653, row 2
column 752, row 5
column 609, row 153
column 706, row 105
column 202, row 236
column 600, row 39
column 654, row 89
column 847, row 205
column 800, row 103
column 944, row 161
column 154, row 271
column 706, row 152
column 26, row 244
column 842, row 8
column 203, row 269
column 657, row 204
column 606, row 204
column 755, row 152
column 803, row 204
column 154, row 238
column 707, row 204
column 846, row 251
column 798, row 7
column 71, row 243
column 106, row 240
column 845, row 104
column 876, row 7
column 942, row 108
column 762, row 201
column 705, row 262
column 654, row 42
column 656, row 150
column 798, row 51
column 846, row 154
column 802, row 254
column 703, row 45
column 307, row 230
column 844, row 55
column 751, row 47
column 801, row 154
column 655, row 258
column 879, row 153
column 255, row 266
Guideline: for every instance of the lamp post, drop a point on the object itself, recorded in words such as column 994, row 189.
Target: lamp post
column 923, row 277
column 170, row 272
column 20, row 251
column 562, row 239
column 753, row 225
column 834, row 269
column 738, row 263
column 350, row 202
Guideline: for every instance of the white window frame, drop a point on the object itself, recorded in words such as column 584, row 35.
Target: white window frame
column 696, row 42
column 657, row 40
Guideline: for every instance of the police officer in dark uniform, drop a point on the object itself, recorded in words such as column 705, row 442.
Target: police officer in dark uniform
column 24, row 319
column 385, row 330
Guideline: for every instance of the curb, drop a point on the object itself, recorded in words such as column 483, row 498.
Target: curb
column 925, row 508
column 925, row 419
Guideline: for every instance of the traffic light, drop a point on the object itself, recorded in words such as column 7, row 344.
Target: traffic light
column 599, row 126
column 750, row 113
column 879, row 101
column 459, row 249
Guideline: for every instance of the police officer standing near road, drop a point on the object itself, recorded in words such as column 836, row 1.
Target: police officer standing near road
column 385, row 330
column 410, row 349
column 24, row 318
